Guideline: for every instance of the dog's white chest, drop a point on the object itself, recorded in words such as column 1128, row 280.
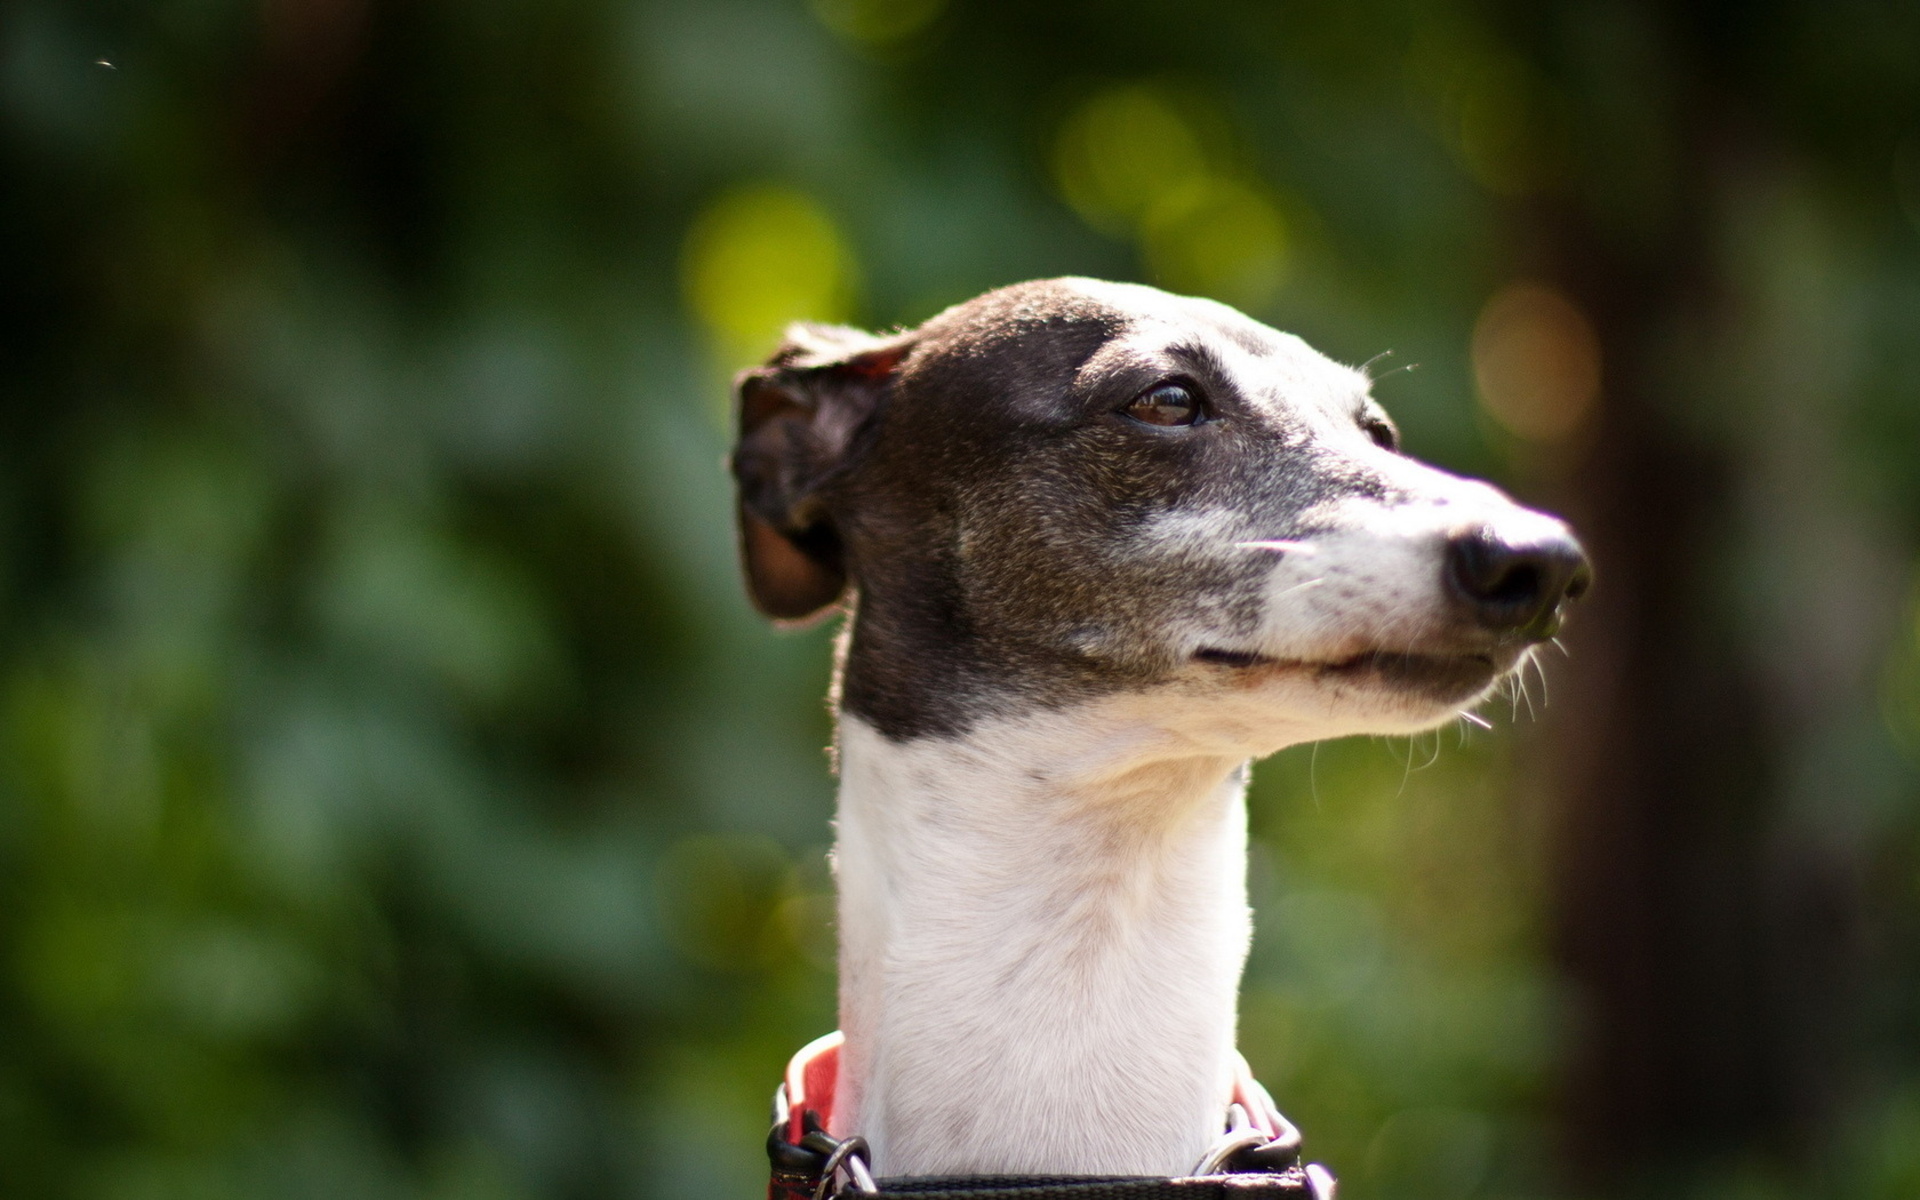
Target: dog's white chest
column 1041, row 937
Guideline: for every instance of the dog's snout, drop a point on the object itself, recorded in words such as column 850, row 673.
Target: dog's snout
column 1517, row 587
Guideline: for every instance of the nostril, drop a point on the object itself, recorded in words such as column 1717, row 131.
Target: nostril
column 1516, row 587
column 1518, row 584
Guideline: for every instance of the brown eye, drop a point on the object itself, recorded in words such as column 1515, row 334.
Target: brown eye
column 1166, row 404
column 1383, row 434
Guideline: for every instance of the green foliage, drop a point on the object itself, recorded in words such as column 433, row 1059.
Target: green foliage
column 397, row 798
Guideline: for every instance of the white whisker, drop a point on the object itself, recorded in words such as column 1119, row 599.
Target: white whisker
column 1436, row 752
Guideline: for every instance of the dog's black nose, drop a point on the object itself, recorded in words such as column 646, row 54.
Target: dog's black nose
column 1517, row 587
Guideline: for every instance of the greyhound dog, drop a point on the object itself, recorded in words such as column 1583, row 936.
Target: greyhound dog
column 1099, row 547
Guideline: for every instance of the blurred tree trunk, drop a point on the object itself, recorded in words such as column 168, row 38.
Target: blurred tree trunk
column 1663, row 770
column 1704, row 874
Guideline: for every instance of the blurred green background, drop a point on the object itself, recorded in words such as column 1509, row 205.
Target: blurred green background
column 398, row 798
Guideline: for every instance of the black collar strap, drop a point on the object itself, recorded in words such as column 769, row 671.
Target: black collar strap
column 823, row 1167
column 1289, row 1185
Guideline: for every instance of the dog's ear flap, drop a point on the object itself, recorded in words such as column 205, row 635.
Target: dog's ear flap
column 802, row 420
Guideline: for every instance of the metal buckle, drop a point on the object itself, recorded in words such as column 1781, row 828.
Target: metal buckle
column 849, row 1155
column 1245, row 1147
column 1241, row 1134
column 818, row 1158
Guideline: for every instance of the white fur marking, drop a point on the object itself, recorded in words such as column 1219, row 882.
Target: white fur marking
column 1042, row 931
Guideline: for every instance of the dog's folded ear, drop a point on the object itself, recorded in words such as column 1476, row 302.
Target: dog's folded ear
column 803, row 417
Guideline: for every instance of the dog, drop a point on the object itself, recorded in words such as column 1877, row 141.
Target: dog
column 1100, row 547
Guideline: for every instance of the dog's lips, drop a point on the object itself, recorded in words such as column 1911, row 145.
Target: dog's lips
column 1444, row 675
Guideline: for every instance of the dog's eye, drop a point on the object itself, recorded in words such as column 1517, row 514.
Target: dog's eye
column 1166, row 404
column 1383, row 434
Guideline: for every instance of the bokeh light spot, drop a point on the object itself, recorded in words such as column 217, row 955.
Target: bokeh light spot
column 877, row 22
column 1120, row 152
column 1217, row 238
column 759, row 258
column 1536, row 360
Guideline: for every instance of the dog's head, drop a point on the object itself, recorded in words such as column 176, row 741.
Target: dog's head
column 1072, row 490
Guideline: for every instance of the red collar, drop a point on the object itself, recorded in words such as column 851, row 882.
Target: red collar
column 811, row 1076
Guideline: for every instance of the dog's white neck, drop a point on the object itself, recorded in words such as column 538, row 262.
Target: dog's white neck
column 1042, row 929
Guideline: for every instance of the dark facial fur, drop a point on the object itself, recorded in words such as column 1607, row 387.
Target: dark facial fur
column 1012, row 536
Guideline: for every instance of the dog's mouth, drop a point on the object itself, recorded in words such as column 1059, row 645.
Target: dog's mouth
column 1442, row 676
